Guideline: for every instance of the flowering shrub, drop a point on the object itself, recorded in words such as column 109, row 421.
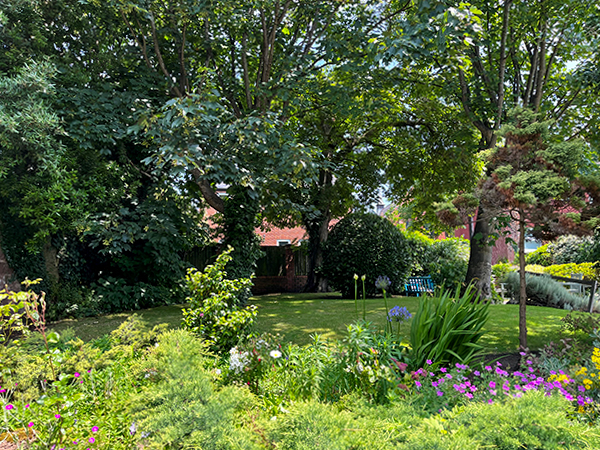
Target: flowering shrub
column 214, row 313
column 250, row 359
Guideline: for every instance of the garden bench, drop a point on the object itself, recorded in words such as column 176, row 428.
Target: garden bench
column 419, row 285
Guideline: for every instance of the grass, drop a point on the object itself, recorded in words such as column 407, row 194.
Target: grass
column 298, row 316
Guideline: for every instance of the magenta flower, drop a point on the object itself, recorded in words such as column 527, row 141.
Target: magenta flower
column 492, row 384
column 440, row 393
column 27, row 406
column 430, row 362
column 77, row 375
column 91, row 440
column 30, row 424
column 443, row 369
column 57, row 416
column 469, row 395
column 95, row 429
column 9, row 407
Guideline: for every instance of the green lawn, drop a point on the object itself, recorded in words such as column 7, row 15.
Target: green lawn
column 298, row 316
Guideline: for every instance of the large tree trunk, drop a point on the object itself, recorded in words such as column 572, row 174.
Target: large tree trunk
column 523, row 286
column 479, row 271
column 51, row 261
column 318, row 231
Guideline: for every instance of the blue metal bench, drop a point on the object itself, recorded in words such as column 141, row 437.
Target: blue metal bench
column 419, row 285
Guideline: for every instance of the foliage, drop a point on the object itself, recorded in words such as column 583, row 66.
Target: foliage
column 570, row 249
column 544, row 291
column 178, row 407
column 446, row 327
column 501, row 271
column 251, row 358
column 214, row 313
column 540, row 256
column 447, row 261
column 419, row 248
column 365, row 244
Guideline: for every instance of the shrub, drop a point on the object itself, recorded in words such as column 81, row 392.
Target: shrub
column 501, row 270
column 447, row 261
column 544, row 291
column 179, row 407
column 365, row 244
column 540, row 256
column 419, row 247
column 588, row 270
column 214, row 313
column 446, row 328
column 570, row 249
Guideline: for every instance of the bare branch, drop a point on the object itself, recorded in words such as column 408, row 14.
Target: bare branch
column 245, row 69
column 161, row 62
column 141, row 45
column 208, row 192
column 502, row 67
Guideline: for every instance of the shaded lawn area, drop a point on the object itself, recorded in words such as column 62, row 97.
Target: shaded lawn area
column 298, row 316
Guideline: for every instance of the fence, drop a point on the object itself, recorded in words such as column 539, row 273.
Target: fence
column 280, row 269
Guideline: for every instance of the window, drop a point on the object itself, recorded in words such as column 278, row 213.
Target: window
column 283, row 242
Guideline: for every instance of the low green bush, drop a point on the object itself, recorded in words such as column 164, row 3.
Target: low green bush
column 544, row 291
column 178, row 407
column 365, row 244
column 446, row 328
column 540, row 256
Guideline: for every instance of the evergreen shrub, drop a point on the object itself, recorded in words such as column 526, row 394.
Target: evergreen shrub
column 544, row 291
column 365, row 244
column 447, row 261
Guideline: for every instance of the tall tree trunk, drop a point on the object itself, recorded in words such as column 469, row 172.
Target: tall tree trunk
column 479, row 271
column 523, row 285
column 51, row 261
column 318, row 231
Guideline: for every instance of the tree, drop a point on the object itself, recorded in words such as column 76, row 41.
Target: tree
column 536, row 179
column 526, row 54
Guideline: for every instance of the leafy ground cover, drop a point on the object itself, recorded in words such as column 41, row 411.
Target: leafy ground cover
column 299, row 316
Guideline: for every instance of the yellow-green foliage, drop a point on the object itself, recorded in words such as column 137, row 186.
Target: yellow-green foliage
column 533, row 421
column 28, row 365
column 179, row 406
column 500, row 271
column 590, row 271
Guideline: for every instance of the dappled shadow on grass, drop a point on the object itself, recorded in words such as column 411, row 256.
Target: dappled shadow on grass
column 299, row 316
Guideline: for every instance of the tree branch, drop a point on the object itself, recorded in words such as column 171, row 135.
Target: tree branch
column 161, row 62
column 208, row 192
column 502, row 68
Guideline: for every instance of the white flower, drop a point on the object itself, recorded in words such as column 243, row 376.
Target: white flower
column 237, row 360
column 218, row 371
column 275, row 354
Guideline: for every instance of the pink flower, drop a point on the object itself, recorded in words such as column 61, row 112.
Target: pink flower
column 57, row 416
column 443, row 369
column 30, row 424
column 27, row 406
column 440, row 393
column 76, row 375
column 9, row 407
column 95, row 429
column 91, row 440
column 430, row 362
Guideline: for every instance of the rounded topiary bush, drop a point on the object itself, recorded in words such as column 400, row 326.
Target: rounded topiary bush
column 365, row 244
